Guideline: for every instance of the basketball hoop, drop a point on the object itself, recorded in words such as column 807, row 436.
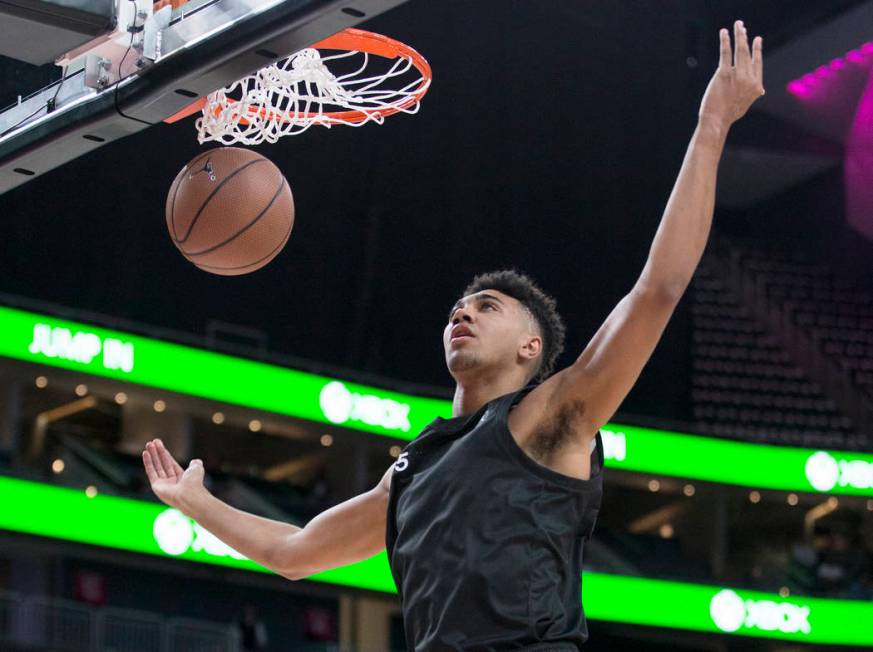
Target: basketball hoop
column 374, row 78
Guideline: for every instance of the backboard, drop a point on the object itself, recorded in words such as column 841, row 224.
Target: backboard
column 160, row 57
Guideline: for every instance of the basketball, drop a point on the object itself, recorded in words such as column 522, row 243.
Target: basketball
column 230, row 211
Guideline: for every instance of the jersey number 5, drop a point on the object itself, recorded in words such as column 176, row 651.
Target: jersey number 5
column 402, row 462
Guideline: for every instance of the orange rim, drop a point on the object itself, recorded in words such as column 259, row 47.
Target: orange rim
column 357, row 40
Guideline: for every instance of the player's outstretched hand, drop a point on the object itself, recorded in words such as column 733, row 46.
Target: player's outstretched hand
column 739, row 80
column 170, row 482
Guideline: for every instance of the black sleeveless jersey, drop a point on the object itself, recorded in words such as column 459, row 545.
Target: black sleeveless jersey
column 485, row 544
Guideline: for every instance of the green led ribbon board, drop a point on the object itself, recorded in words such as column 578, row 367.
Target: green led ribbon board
column 150, row 528
column 187, row 370
column 758, row 466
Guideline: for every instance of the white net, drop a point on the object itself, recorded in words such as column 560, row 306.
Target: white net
column 288, row 97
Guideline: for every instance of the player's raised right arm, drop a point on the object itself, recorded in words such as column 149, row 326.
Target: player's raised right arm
column 344, row 534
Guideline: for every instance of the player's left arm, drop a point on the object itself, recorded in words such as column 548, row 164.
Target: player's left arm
column 614, row 358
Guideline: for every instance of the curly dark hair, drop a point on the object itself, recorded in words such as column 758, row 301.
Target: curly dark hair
column 543, row 308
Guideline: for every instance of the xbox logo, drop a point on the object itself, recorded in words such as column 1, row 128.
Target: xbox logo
column 336, row 402
column 340, row 405
column 177, row 534
column 173, row 532
column 822, row 471
column 728, row 611
column 614, row 444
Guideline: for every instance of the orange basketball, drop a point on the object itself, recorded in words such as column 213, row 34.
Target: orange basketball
column 230, row 211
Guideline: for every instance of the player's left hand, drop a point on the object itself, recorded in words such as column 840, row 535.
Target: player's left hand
column 739, row 80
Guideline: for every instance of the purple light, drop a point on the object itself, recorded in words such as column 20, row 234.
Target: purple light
column 797, row 87
column 813, row 81
column 858, row 166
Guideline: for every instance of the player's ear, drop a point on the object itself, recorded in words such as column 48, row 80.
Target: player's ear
column 531, row 347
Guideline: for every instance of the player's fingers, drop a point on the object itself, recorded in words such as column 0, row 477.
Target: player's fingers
column 724, row 58
column 742, row 56
column 153, row 471
column 171, row 467
column 758, row 59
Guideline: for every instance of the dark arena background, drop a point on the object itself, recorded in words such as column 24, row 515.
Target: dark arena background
column 738, row 498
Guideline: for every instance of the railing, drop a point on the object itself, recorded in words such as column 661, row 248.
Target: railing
column 39, row 623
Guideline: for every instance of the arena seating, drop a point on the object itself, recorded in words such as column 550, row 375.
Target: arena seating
column 744, row 385
column 87, row 461
column 836, row 311
column 648, row 555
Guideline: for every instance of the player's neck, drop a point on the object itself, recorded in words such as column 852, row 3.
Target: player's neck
column 471, row 394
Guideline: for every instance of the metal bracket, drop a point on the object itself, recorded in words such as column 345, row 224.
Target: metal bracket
column 153, row 32
column 98, row 71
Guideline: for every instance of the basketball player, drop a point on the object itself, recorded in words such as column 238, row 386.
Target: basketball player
column 486, row 513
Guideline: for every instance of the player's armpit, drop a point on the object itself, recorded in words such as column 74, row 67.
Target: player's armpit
column 604, row 374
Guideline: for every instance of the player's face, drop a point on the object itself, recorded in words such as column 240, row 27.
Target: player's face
column 485, row 331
